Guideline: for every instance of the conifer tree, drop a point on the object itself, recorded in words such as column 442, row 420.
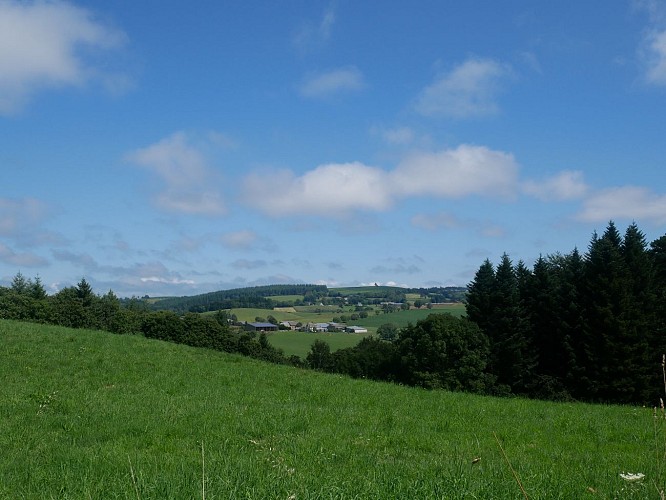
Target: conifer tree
column 510, row 343
column 605, row 290
column 479, row 305
column 638, row 317
column 567, row 274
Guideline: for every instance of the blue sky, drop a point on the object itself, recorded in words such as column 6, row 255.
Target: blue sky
column 175, row 148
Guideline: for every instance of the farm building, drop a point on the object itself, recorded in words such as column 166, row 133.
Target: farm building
column 356, row 329
column 261, row 327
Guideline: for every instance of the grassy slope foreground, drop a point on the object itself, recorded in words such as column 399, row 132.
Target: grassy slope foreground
column 92, row 415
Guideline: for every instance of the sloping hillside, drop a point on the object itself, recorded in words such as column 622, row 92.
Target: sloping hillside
column 87, row 414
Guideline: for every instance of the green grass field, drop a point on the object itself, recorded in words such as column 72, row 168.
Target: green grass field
column 299, row 343
column 403, row 318
column 249, row 314
column 290, row 299
column 93, row 415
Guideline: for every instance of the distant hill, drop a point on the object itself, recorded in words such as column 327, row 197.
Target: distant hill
column 270, row 296
column 256, row 297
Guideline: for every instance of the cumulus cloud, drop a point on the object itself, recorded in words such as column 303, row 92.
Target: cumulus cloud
column 327, row 190
column 40, row 44
column 624, row 203
column 455, row 173
column 468, row 90
column 337, row 189
column 319, row 85
column 566, row 185
column 188, row 183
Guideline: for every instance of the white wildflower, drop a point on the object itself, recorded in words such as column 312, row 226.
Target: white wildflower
column 631, row 477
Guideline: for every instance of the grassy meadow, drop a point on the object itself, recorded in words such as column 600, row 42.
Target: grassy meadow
column 299, row 343
column 86, row 414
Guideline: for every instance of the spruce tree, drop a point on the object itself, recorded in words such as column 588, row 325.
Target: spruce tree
column 638, row 317
column 567, row 274
column 479, row 303
column 604, row 342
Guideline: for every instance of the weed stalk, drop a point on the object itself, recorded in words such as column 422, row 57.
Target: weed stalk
column 515, row 475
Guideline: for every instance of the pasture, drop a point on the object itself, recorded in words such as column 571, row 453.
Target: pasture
column 299, row 343
column 403, row 318
column 87, row 414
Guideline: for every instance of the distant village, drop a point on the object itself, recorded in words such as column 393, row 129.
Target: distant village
column 303, row 327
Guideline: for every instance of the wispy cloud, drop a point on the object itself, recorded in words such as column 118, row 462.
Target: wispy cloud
column 188, row 183
column 652, row 51
column 20, row 259
column 398, row 136
column 468, row 90
column 445, row 220
column 23, row 221
column 433, row 222
column 566, row 185
column 16, row 214
column 314, row 34
column 40, row 46
column 655, row 57
column 239, row 240
column 249, row 264
column 624, row 203
column 326, row 84
column 399, row 267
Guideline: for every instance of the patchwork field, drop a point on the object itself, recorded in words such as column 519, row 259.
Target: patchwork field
column 87, row 414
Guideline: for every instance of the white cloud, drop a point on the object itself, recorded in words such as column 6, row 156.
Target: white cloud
column 432, row 222
column 249, row 264
column 23, row 220
column 455, row 173
column 332, row 82
column 566, row 185
column 399, row 136
column 188, row 182
column 328, row 190
column 436, row 221
column 40, row 45
column 24, row 259
column 656, row 58
column 17, row 215
column 469, row 90
column 336, row 189
column 239, row 239
column 628, row 203
column 312, row 34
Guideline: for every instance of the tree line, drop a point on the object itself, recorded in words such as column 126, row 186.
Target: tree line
column 251, row 297
column 575, row 326
column 588, row 326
